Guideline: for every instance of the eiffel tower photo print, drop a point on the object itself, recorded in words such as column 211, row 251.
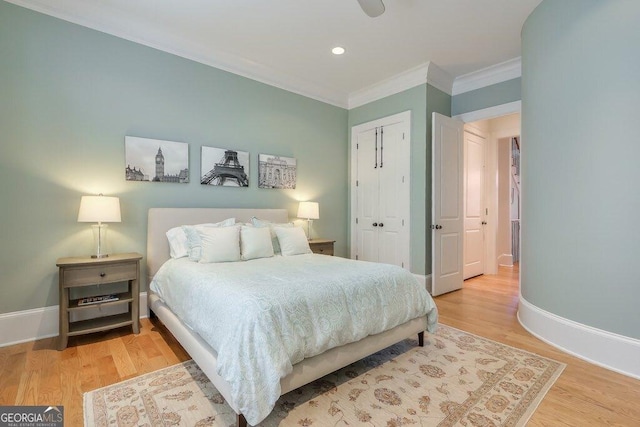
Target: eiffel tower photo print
column 223, row 167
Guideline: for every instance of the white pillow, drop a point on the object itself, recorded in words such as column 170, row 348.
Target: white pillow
column 185, row 240
column 274, row 239
column 255, row 242
column 178, row 246
column 220, row 244
column 292, row 240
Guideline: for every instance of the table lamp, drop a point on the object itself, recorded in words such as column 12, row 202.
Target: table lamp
column 310, row 211
column 99, row 209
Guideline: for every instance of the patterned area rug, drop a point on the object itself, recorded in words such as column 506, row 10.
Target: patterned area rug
column 456, row 379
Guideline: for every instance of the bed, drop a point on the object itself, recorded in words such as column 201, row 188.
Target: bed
column 214, row 365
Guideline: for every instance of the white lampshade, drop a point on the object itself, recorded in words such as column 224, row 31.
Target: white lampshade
column 309, row 210
column 99, row 209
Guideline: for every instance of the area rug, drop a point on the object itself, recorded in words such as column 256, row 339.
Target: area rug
column 456, row 379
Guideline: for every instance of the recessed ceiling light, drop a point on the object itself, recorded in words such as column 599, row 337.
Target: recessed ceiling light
column 337, row 50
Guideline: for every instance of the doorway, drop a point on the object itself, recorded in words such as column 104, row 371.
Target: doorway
column 492, row 236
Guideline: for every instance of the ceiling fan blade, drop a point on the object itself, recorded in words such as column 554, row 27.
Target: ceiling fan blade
column 372, row 8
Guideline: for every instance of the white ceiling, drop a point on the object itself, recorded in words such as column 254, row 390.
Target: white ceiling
column 287, row 43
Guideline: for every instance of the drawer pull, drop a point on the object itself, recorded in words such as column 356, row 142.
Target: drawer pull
column 102, row 274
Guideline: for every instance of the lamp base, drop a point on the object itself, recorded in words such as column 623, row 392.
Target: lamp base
column 100, row 240
column 309, row 221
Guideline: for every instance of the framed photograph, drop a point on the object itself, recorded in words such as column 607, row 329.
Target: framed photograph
column 223, row 167
column 276, row 171
column 156, row 160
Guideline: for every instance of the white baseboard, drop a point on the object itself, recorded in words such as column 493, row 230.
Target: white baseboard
column 505, row 260
column 29, row 325
column 609, row 350
column 424, row 280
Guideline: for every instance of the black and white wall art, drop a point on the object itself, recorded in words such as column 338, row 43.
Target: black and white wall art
column 156, row 160
column 224, row 167
column 276, row 171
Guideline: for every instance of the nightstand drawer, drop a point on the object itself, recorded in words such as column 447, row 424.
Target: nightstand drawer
column 98, row 275
column 322, row 248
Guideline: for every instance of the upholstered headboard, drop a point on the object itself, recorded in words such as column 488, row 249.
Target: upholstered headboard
column 163, row 219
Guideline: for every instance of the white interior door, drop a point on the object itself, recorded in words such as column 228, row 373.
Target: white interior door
column 393, row 171
column 474, row 218
column 380, row 190
column 447, row 204
column 367, row 196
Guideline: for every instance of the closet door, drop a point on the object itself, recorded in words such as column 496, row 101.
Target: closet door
column 380, row 191
column 367, row 196
column 392, row 171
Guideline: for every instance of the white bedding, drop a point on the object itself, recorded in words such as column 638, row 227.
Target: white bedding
column 262, row 316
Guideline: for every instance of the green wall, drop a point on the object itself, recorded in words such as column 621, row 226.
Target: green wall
column 421, row 100
column 68, row 97
column 488, row 96
column 580, row 90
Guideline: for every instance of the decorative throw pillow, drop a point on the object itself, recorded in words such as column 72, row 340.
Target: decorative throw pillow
column 187, row 240
column 255, row 242
column 274, row 239
column 293, row 241
column 220, row 244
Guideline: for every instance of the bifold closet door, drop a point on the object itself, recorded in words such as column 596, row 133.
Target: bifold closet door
column 368, row 196
column 382, row 162
column 391, row 212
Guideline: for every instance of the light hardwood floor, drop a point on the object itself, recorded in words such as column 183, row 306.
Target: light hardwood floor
column 36, row 373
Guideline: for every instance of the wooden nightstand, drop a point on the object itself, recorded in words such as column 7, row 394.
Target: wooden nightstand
column 84, row 271
column 322, row 246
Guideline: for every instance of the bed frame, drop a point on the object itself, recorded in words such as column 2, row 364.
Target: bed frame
column 163, row 219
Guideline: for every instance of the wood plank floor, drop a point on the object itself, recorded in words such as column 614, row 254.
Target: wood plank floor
column 35, row 373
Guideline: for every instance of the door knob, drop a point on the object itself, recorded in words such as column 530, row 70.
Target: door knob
column 484, row 222
column 381, row 225
column 375, row 224
column 438, row 227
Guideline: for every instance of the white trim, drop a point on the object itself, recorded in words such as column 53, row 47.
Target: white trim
column 38, row 323
column 204, row 55
column 439, row 78
column 28, row 325
column 505, row 260
column 508, row 70
column 395, row 84
column 226, row 61
column 490, row 112
column 424, row 73
column 609, row 350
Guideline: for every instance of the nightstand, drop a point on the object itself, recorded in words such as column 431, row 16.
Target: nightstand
column 321, row 246
column 79, row 272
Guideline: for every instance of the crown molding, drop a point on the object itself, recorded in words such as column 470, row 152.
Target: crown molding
column 427, row 72
column 498, row 73
column 424, row 73
column 440, row 79
column 395, row 84
column 202, row 54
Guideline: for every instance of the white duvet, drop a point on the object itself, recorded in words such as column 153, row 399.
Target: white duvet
column 263, row 316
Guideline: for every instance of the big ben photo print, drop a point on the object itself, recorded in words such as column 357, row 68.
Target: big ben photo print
column 156, row 160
